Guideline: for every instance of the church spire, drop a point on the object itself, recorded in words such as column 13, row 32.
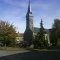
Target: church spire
column 28, row 34
column 29, row 7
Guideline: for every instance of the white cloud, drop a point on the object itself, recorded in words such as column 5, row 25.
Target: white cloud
column 43, row 6
column 16, row 3
column 16, row 14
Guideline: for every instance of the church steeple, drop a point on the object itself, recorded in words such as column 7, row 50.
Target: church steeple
column 29, row 7
column 29, row 18
column 28, row 34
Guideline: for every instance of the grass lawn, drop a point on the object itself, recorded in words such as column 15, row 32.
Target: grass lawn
column 18, row 49
column 11, row 48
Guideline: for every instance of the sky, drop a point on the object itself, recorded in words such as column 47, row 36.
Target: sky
column 14, row 11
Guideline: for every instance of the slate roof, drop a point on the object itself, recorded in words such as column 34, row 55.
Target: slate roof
column 36, row 30
column 19, row 34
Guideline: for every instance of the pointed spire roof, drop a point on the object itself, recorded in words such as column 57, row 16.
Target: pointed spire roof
column 41, row 21
column 41, row 24
column 29, row 7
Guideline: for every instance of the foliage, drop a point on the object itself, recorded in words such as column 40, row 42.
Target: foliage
column 7, row 33
column 40, row 41
column 55, row 32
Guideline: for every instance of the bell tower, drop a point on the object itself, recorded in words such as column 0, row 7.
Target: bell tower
column 29, row 18
column 28, row 34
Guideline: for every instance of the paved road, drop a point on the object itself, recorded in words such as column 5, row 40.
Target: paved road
column 29, row 55
column 6, row 53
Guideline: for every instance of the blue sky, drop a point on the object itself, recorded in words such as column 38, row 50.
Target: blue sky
column 15, row 11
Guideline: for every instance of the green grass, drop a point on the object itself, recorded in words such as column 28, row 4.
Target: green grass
column 12, row 48
column 18, row 48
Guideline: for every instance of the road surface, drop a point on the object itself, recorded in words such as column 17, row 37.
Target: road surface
column 30, row 55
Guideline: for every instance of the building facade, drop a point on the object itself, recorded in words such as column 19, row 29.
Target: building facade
column 19, row 38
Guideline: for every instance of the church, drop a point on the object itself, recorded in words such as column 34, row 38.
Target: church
column 31, row 31
column 28, row 34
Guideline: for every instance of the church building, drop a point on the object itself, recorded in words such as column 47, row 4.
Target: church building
column 31, row 31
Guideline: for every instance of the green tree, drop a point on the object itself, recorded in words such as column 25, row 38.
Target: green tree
column 40, row 41
column 55, row 32
column 7, row 33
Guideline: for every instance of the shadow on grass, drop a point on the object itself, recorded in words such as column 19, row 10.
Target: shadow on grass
column 34, row 55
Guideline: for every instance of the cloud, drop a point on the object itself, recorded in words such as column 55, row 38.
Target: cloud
column 16, row 3
column 15, row 12
column 42, row 5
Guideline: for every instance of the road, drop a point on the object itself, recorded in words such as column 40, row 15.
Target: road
column 6, row 53
column 30, row 55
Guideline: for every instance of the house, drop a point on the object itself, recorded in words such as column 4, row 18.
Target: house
column 19, row 37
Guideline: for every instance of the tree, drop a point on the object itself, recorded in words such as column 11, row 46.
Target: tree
column 40, row 41
column 7, row 33
column 55, row 32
